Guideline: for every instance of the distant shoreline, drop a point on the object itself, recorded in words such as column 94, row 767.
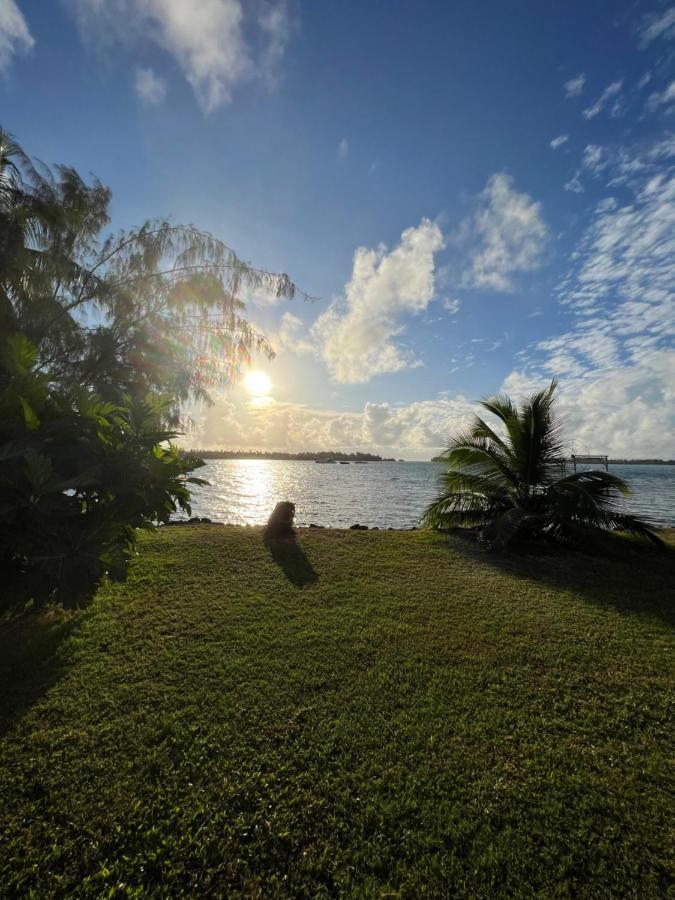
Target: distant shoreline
column 612, row 462
column 306, row 456
column 324, row 455
column 641, row 462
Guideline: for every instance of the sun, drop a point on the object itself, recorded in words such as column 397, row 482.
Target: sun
column 257, row 384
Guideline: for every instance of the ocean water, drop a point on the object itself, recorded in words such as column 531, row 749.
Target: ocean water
column 382, row 494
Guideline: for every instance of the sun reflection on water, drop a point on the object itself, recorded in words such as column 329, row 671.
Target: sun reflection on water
column 255, row 487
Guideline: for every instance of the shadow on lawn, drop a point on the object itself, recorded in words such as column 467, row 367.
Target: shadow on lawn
column 291, row 558
column 30, row 659
column 629, row 576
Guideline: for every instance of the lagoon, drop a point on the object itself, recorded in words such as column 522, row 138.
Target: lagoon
column 377, row 494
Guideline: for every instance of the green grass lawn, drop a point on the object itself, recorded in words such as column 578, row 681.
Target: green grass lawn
column 377, row 714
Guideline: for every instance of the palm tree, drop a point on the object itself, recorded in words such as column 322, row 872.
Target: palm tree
column 509, row 482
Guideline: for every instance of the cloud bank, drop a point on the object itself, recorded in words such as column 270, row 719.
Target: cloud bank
column 418, row 429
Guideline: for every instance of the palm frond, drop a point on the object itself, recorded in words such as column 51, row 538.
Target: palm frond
column 480, row 456
column 465, row 500
column 460, row 511
column 637, row 527
column 588, row 497
column 480, row 429
column 502, row 407
column 594, row 499
column 10, row 175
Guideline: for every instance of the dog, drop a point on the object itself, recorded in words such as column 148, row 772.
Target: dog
column 280, row 524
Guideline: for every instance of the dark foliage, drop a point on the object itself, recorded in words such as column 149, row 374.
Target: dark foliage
column 78, row 475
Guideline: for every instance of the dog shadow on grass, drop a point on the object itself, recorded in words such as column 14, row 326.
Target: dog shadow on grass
column 293, row 561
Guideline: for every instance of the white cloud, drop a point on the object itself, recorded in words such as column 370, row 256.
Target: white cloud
column 610, row 91
column 343, row 149
column 290, row 336
column 423, row 424
column 573, row 353
column 575, row 86
column 630, row 167
column 151, row 88
column 217, row 43
column 627, row 256
column 489, row 346
column 15, row 36
column 618, row 107
column 574, row 184
column 506, row 235
column 559, row 141
column 644, row 81
column 275, row 25
column 594, row 159
column 658, row 26
column 663, row 98
column 452, row 306
column 356, row 333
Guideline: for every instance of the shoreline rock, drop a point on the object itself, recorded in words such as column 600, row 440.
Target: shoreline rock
column 204, row 520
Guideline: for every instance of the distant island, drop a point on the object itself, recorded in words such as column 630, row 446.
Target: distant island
column 641, row 462
column 306, row 455
column 611, row 462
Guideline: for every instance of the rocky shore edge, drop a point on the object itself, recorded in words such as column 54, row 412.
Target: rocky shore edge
column 204, row 520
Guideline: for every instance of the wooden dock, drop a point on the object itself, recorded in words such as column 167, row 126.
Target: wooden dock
column 575, row 460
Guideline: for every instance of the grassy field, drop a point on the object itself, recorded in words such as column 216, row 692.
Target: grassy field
column 371, row 714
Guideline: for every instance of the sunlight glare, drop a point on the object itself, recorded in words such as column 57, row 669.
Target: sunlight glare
column 257, row 384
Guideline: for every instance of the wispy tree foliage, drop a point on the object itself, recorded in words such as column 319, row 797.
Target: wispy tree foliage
column 155, row 307
column 507, row 480
column 103, row 337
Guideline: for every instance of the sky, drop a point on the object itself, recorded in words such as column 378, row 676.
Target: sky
column 481, row 195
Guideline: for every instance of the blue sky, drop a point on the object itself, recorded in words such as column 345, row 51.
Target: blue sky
column 482, row 195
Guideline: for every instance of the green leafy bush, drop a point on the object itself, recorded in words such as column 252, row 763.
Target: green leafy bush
column 78, row 476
